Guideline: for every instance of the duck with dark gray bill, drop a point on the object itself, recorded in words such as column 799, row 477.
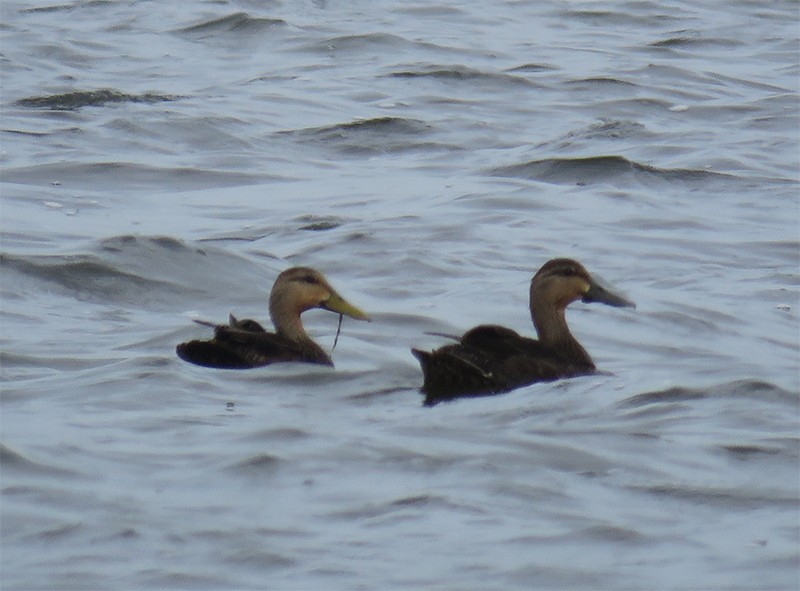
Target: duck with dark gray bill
column 243, row 344
column 490, row 359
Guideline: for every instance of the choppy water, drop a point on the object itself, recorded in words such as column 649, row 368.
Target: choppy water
column 166, row 160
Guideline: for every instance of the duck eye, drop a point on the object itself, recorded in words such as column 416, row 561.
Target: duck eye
column 311, row 279
column 569, row 272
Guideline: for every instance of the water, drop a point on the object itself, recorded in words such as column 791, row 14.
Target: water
column 163, row 161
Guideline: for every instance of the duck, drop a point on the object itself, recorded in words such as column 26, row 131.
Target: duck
column 491, row 359
column 245, row 343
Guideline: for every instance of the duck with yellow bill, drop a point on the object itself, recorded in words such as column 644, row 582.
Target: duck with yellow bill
column 243, row 344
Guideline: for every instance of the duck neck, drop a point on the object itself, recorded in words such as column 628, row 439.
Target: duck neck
column 286, row 319
column 285, row 316
column 551, row 326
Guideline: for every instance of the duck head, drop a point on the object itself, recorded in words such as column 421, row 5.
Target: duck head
column 562, row 281
column 301, row 288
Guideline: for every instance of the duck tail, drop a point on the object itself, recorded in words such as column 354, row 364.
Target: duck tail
column 424, row 358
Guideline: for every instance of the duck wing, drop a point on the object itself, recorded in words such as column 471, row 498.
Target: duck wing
column 234, row 348
column 489, row 359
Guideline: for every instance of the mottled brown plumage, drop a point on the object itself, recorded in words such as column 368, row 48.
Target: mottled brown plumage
column 243, row 344
column 490, row 359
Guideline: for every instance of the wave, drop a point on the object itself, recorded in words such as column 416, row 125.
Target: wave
column 69, row 7
column 404, row 507
column 69, row 101
column 756, row 389
column 370, row 42
column 147, row 272
column 258, row 465
column 720, row 497
column 84, row 276
column 598, row 81
column 233, row 23
column 113, row 175
column 597, row 169
column 15, row 461
column 608, row 18
column 684, row 41
column 610, row 129
column 378, row 125
column 459, row 73
column 528, row 68
column 379, row 135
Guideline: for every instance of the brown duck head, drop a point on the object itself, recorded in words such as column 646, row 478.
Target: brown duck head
column 299, row 289
column 554, row 287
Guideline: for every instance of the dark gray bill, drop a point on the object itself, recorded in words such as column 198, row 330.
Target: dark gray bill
column 598, row 293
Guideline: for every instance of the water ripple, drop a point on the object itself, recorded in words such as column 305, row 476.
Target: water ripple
column 239, row 22
column 598, row 169
column 90, row 98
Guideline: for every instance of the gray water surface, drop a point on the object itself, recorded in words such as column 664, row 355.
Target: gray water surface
column 165, row 161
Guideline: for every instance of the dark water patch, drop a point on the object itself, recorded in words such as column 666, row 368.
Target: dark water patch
column 165, row 578
column 609, row 18
column 247, row 234
column 118, row 244
column 84, row 275
column 278, row 434
column 371, row 42
column 599, row 82
column 532, row 68
column 757, row 390
column 632, row 107
column 368, row 137
column 781, row 97
column 125, row 534
column 685, row 40
column 25, row 132
column 87, row 277
column 168, row 259
column 610, row 129
column 598, row 169
column 459, row 74
column 575, row 576
column 381, row 393
column 239, row 22
column 47, row 9
column 9, row 359
column 317, row 223
column 16, row 462
column 599, row 533
column 748, row 451
column 407, row 507
column 723, row 498
column 659, row 224
column 380, row 125
column 143, row 271
column 69, row 101
column 69, row 7
column 59, row 532
column 258, row 558
column 126, row 176
column 258, row 465
column 430, row 10
column 698, row 321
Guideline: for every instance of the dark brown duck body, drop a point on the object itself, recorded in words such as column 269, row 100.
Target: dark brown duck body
column 243, row 344
column 491, row 359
